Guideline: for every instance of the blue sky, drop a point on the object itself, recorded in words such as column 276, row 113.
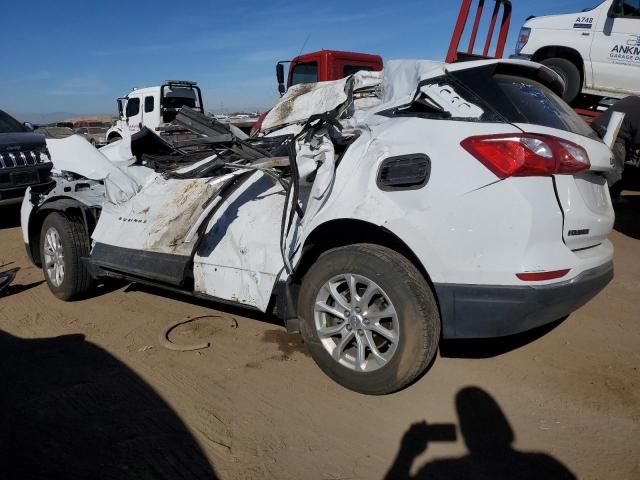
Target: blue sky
column 78, row 56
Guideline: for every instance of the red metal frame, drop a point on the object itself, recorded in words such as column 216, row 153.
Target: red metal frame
column 455, row 55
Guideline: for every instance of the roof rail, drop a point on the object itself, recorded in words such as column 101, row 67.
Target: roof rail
column 455, row 55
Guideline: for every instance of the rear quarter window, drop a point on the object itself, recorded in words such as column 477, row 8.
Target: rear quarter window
column 518, row 99
column 528, row 101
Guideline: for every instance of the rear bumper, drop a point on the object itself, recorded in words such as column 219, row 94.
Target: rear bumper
column 483, row 311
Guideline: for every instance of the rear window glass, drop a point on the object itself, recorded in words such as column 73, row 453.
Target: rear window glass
column 536, row 104
column 522, row 100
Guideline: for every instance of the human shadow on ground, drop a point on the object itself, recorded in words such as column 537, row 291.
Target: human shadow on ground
column 69, row 409
column 488, row 437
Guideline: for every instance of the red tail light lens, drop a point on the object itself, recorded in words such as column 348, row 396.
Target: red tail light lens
column 527, row 155
column 542, row 276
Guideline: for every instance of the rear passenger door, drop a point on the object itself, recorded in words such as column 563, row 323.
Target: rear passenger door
column 615, row 51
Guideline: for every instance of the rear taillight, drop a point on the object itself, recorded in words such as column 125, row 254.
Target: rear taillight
column 526, row 155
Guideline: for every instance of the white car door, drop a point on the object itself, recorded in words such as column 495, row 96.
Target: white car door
column 615, row 52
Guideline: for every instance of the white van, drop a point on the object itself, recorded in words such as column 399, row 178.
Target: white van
column 596, row 51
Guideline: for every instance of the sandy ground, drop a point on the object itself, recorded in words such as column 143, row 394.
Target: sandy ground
column 88, row 392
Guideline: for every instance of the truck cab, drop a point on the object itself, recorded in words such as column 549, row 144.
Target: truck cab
column 154, row 107
column 321, row 66
column 595, row 51
column 324, row 66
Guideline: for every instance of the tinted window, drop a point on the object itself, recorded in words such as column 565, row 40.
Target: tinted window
column 521, row 100
column 305, row 73
column 627, row 8
column 351, row 69
column 133, row 107
column 148, row 104
column 538, row 105
column 9, row 124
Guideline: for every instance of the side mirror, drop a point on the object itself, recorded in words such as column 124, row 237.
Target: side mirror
column 29, row 126
column 280, row 77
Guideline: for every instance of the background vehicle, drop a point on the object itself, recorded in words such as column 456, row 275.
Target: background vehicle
column 24, row 159
column 97, row 136
column 154, row 107
column 450, row 204
column 54, row 131
column 596, row 51
column 322, row 66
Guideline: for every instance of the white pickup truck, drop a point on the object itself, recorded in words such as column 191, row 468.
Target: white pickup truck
column 596, row 51
column 153, row 107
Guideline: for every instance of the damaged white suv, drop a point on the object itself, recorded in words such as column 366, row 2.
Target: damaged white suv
column 376, row 214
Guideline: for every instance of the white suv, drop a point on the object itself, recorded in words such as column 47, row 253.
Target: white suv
column 377, row 215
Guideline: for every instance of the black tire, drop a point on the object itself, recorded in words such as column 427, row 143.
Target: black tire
column 114, row 138
column 412, row 298
column 569, row 73
column 74, row 238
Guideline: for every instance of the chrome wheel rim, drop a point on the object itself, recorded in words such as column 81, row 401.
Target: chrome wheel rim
column 54, row 257
column 356, row 322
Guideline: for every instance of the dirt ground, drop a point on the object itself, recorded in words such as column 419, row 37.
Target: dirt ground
column 87, row 391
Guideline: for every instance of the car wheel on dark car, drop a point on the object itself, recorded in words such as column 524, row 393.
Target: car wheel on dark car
column 368, row 318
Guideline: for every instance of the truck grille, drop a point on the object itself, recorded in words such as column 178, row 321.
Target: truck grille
column 23, row 159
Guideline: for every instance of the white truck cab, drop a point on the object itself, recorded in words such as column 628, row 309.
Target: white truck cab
column 596, row 51
column 153, row 107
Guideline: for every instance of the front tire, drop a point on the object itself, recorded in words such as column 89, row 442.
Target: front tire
column 368, row 318
column 569, row 73
column 64, row 240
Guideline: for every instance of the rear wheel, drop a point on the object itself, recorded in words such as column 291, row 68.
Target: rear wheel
column 569, row 73
column 63, row 242
column 369, row 318
column 114, row 138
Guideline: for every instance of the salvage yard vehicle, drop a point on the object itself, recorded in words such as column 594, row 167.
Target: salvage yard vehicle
column 596, row 51
column 24, row 159
column 322, row 66
column 97, row 136
column 154, row 107
column 375, row 214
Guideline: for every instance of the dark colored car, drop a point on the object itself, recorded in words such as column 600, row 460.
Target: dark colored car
column 24, row 159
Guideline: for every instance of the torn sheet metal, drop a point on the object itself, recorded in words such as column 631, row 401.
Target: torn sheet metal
column 401, row 78
column 159, row 218
column 238, row 258
column 304, row 100
column 75, row 154
column 447, row 99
